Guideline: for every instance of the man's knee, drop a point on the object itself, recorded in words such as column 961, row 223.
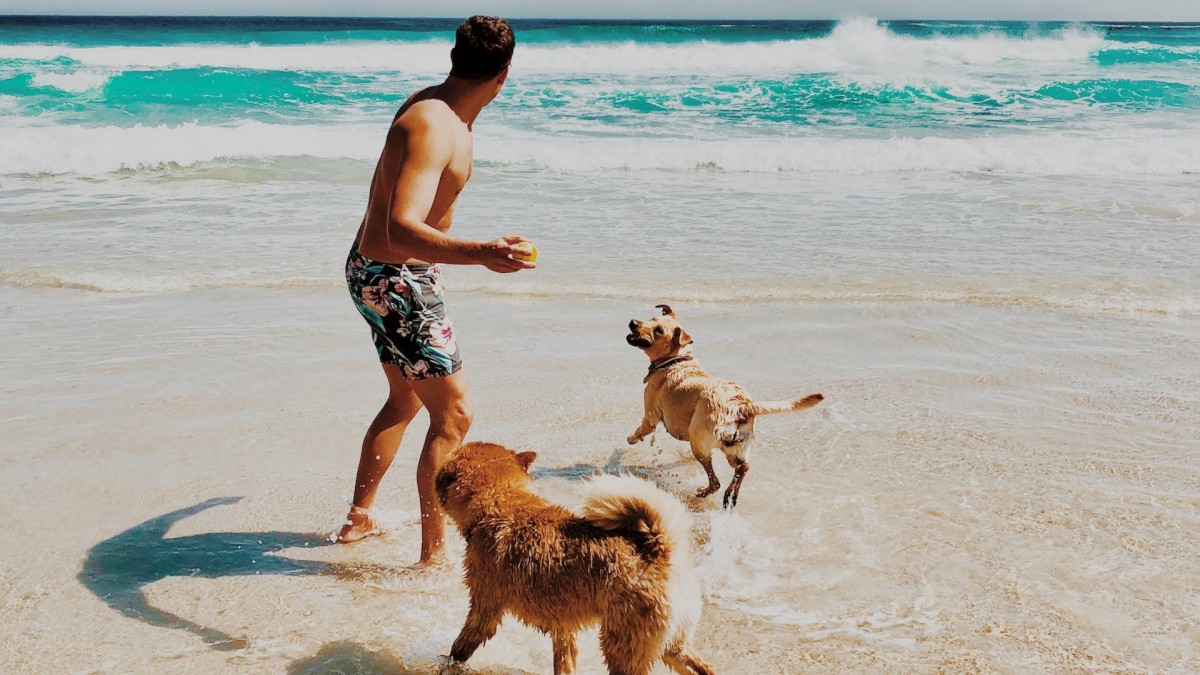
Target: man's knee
column 402, row 408
column 453, row 422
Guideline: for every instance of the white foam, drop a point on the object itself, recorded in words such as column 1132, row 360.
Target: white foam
column 1086, row 294
column 96, row 150
column 1167, row 302
column 137, row 283
column 432, row 56
column 860, row 44
column 738, row 565
column 80, row 81
column 1147, row 153
column 1150, row 46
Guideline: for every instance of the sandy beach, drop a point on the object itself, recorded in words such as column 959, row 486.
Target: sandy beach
column 966, row 500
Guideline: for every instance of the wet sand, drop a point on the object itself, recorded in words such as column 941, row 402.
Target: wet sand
column 985, row 489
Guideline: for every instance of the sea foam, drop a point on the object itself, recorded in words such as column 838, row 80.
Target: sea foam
column 853, row 45
column 97, row 150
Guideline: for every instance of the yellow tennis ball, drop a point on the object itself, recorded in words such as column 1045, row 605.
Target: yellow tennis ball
column 529, row 252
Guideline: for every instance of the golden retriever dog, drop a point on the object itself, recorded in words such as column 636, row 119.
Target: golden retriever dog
column 624, row 563
column 696, row 407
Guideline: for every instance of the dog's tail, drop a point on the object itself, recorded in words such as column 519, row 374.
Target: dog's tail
column 635, row 505
column 771, row 407
column 626, row 503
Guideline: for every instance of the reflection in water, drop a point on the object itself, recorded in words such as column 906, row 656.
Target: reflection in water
column 615, row 465
column 350, row 658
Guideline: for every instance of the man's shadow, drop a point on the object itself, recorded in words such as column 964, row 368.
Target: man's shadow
column 117, row 569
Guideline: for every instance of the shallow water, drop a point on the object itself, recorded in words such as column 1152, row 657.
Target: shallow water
column 984, row 488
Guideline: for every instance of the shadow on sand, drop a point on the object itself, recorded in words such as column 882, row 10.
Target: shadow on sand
column 352, row 658
column 117, row 569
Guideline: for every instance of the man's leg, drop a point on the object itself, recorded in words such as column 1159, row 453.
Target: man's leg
column 378, row 449
column 449, row 419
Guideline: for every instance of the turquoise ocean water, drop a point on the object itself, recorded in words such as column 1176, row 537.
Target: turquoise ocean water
column 852, row 159
column 595, row 82
column 615, row 79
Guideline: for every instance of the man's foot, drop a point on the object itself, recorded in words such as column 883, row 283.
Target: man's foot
column 359, row 525
column 437, row 559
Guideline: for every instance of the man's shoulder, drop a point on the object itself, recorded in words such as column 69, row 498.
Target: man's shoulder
column 426, row 115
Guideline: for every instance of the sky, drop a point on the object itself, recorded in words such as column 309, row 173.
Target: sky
column 1068, row 10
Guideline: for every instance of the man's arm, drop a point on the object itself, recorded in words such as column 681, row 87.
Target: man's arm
column 428, row 150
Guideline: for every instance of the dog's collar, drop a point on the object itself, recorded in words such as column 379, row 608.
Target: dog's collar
column 663, row 364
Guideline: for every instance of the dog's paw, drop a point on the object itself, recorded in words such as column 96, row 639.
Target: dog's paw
column 448, row 665
column 633, row 439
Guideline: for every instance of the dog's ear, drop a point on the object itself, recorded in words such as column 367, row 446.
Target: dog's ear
column 666, row 310
column 680, row 338
column 525, row 459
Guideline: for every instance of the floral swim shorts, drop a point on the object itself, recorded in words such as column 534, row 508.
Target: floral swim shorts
column 403, row 305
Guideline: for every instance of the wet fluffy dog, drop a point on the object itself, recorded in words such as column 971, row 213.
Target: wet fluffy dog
column 624, row 564
column 696, row 407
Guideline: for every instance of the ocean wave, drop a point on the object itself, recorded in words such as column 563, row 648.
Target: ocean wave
column 99, row 150
column 79, row 81
column 835, row 101
column 1146, row 53
column 216, row 96
column 854, row 45
column 1181, row 305
column 1036, row 154
column 1110, row 301
column 424, row 57
column 118, row 283
column 1120, row 92
column 224, row 96
column 1041, row 154
column 92, row 151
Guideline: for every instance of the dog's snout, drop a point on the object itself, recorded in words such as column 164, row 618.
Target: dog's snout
column 633, row 324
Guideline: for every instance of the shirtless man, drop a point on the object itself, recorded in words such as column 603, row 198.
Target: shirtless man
column 394, row 278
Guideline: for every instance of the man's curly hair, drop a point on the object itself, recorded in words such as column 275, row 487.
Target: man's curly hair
column 483, row 46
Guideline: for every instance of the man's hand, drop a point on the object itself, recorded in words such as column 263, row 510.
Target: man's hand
column 497, row 255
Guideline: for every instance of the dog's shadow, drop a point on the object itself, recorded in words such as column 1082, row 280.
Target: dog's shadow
column 614, row 466
column 117, row 569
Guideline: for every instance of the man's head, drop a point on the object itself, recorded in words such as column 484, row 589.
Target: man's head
column 483, row 48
